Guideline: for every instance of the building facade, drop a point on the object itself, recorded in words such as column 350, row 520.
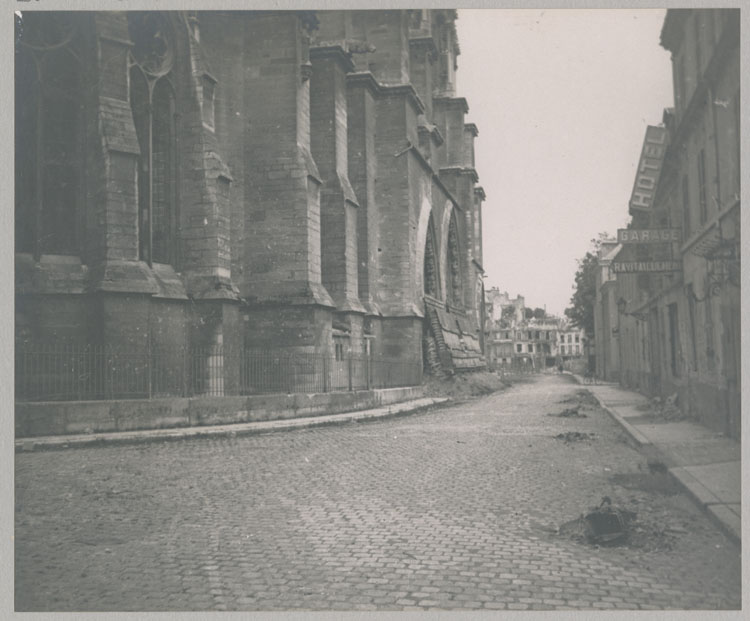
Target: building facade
column 290, row 180
column 679, row 330
column 572, row 342
column 502, row 316
column 513, row 340
column 497, row 304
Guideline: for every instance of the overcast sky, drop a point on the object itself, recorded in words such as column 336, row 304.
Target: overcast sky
column 562, row 99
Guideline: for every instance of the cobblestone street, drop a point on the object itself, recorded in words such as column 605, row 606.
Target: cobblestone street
column 451, row 508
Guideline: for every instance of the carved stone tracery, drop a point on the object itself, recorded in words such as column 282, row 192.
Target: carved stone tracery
column 454, row 267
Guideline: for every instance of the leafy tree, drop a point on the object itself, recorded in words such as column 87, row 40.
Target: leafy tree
column 581, row 310
column 539, row 313
column 528, row 313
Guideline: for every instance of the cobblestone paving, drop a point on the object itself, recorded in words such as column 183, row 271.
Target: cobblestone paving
column 454, row 508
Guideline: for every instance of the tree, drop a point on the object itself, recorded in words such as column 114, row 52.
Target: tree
column 581, row 311
column 539, row 313
column 508, row 314
column 527, row 313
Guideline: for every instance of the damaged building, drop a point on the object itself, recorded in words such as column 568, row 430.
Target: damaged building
column 668, row 311
column 195, row 186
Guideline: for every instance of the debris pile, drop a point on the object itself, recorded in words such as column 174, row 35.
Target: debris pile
column 570, row 413
column 574, row 436
column 465, row 385
column 667, row 409
column 607, row 524
column 602, row 525
column 582, row 400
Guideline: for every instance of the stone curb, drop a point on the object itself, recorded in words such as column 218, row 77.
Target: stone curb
column 719, row 511
column 636, row 435
column 236, row 429
column 729, row 523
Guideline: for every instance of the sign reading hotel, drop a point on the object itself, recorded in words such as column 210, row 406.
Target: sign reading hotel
column 639, row 267
column 649, row 168
column 648, row 236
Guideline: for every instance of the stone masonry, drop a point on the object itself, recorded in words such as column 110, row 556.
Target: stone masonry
column 276, row 187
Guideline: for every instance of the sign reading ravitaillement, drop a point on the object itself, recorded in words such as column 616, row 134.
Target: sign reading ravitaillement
column 649, row 168
column 648, row 236
column 637, row 267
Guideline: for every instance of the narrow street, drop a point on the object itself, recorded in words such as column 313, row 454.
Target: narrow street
column 452, row 508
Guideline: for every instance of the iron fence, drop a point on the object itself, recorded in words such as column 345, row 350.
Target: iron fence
column 65, row 372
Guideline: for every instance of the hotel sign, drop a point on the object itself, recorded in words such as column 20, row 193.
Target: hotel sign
column 648, row 236
column 649, row 168
column 639, row 267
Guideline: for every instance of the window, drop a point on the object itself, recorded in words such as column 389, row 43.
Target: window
column 536, row 336
column 691, row 315
column 339, row 351
column 531, row 348
column 562, row 349
column 152, row 101
column 679, row 83
column 570, row 338
column 519, row 348
column 455, row 286
column 430, row 270
column 710, row 353
column 686, row 207
column 207, row 109
column 546, row 336
column 674, row 344
column 702, row 186
column 578, row 349
column 49, row 133
column 578, row 338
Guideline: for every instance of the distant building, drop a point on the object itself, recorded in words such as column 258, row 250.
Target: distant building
column 495, row 302
column 502, row 314
column 511, row 339
column 572, row 342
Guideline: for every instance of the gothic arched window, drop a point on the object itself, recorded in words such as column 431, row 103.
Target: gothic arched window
column 453, row 264
column 49, row 136
column 430, row 279
column 152, row 100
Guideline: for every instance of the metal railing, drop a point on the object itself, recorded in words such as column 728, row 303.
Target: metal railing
column 65, row 372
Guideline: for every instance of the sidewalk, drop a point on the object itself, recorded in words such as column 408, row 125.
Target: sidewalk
column 236, row 429
column 706, row 463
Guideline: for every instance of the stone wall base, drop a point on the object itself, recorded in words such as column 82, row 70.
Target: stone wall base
column 73, row 417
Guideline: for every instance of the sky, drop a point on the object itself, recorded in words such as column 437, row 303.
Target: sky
column 561, row 99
